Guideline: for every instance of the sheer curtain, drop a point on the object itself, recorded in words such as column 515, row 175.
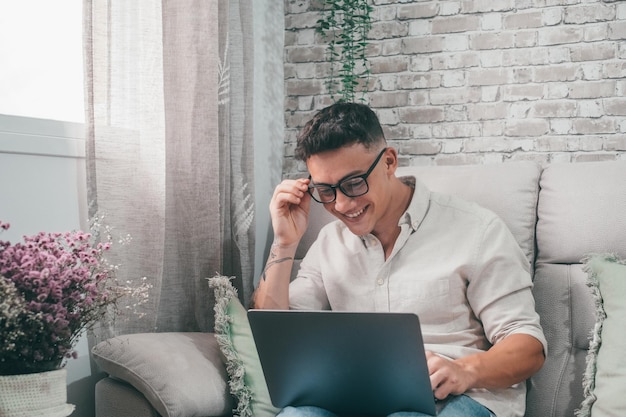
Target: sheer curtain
column 170, row 150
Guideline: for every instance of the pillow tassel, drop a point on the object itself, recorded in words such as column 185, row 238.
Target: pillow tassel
column 224, row 292
column 589, row 377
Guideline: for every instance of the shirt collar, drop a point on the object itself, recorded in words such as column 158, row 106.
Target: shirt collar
column 415, row 213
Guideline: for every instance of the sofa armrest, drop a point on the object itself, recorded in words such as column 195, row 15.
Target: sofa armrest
column 180, row 374
column 116, row 398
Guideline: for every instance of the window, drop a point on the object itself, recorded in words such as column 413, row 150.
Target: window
column 41, row 74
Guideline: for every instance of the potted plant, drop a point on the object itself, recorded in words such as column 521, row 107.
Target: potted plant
column 53, row 287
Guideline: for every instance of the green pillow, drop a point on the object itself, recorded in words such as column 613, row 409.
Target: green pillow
column 605, row 376
column 232, row 330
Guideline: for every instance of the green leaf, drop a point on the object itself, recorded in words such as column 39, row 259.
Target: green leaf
column 345, row 24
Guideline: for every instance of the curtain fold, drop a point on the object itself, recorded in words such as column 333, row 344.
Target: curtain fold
column 192, row 231
column 170, row 150
column 236, row 99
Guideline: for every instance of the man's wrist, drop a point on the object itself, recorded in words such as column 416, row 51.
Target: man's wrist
column 279, row 254
column 283, row 247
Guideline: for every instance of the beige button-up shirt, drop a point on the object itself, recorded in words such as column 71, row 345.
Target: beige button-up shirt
column 456, row 265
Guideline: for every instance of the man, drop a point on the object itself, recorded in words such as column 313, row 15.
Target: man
column 399, row 247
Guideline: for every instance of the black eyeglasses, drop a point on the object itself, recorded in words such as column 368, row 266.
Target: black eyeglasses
column 351, row 187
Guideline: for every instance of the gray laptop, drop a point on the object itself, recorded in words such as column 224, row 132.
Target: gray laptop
column 353, row 364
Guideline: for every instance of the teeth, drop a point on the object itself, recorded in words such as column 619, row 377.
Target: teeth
column 353, row 215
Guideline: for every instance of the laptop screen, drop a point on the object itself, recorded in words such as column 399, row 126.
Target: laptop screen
column 350, row 363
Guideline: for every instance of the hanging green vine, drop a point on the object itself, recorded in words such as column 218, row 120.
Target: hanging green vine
column 345, row 25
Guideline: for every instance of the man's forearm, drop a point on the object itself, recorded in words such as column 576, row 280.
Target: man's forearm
column 273, row 289
column 508, row 362
column 511, row 361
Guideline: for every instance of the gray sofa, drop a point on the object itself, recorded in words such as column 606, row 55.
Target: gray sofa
column 559, row 214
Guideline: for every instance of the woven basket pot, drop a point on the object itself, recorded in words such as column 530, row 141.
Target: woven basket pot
column 35, row 395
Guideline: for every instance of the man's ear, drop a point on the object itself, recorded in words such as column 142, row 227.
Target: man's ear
column 390, row 160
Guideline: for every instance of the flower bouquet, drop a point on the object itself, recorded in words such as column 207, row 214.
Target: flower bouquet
column 53, row 287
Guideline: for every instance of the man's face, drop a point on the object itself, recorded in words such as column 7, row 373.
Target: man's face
column 360, row 214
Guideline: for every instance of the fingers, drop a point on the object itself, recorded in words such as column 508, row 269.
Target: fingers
column 445, row 376
column 290, row 192
column 289, row 210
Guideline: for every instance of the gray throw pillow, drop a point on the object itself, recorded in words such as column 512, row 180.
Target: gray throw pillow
column 180, row 374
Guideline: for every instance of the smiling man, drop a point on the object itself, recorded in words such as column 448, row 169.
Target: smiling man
column 398, row 247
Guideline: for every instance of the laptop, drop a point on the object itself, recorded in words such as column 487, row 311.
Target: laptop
column 350, row 363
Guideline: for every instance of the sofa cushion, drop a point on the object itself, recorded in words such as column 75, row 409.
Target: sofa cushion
column 180, row 374
column 581, row 211
column 605, row 376
column 566, row 310
column 233, row 333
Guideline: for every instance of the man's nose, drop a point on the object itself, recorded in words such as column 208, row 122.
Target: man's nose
column 342, row 201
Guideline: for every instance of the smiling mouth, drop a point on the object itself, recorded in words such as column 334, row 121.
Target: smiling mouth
column 355, row 214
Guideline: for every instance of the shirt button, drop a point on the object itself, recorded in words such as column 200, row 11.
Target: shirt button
column 380, row 281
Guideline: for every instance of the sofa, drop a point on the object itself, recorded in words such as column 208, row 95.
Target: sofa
column 559, row 213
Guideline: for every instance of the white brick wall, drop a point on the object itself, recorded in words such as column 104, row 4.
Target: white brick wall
column 478, row 81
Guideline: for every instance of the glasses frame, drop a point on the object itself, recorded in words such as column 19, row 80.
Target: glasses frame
column 339, row 187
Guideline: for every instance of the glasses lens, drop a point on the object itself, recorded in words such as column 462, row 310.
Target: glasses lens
column 322, row 194
column 354, row 187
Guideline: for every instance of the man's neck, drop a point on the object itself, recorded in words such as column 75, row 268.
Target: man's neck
column 388, row 232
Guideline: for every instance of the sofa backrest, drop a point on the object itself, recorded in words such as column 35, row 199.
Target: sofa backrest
column 581, row 210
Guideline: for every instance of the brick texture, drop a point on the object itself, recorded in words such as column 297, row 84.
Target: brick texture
column 477, row 82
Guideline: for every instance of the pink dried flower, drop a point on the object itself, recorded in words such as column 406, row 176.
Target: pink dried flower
column 54, row 286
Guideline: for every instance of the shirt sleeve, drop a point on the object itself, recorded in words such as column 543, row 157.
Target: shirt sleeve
column 500, row 287
column 306, row 291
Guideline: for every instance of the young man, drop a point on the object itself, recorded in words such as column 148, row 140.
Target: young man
column 399, row 247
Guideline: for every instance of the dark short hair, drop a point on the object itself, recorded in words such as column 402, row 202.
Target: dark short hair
column 338, row 125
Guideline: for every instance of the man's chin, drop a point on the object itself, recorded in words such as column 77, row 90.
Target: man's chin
column 359, row 228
